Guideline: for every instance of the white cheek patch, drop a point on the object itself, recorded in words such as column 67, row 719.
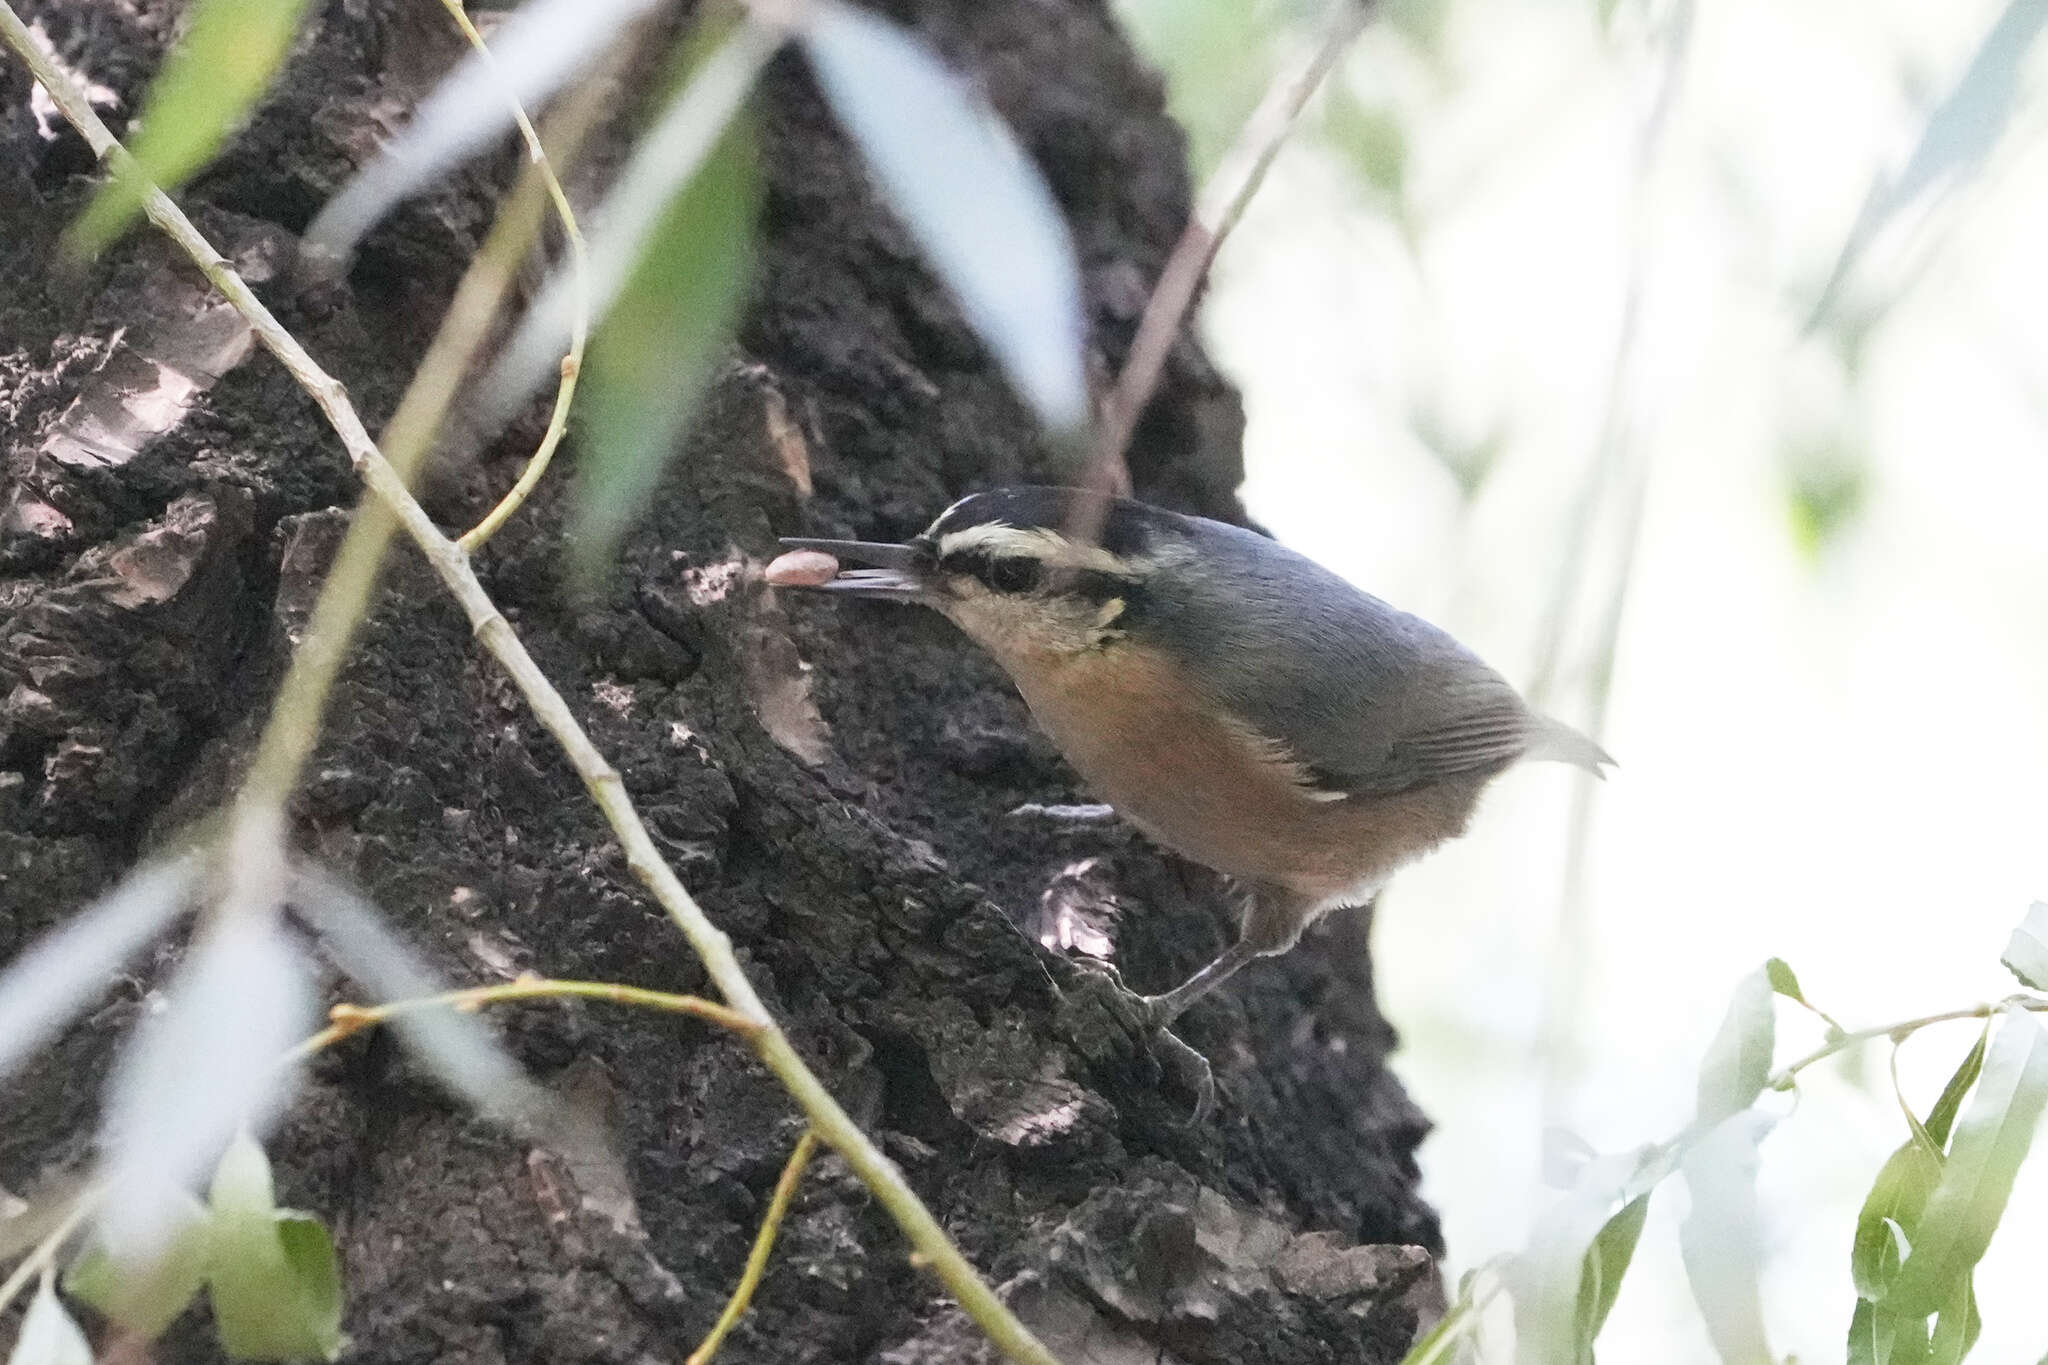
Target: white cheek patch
column 1008, row 626
column 989, row 616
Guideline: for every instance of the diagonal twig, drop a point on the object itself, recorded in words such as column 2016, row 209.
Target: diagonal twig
column 1223, row 200
column 1622, row 451
column 757, row 1258
column 346, row 1021
column 579, row 275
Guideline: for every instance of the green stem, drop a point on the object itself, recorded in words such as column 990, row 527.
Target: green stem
column 1782, row 1078
column 349, row 1020
column 757, row 1259
column 46, row 1250
column 1223, row 200
column 579, row 332
column 295, row 719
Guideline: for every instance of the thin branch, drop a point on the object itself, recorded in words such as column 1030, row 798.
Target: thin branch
column 345, row 1021
column 606, row 788
column 764, row 1243
column 1448, row 1340
column 1619, row 440
column 46, row 1250
column 1223, row 200
column 256, row 867
column 579, row 328
column 1782, row 1078
column 1613, row 433
column 295, row 719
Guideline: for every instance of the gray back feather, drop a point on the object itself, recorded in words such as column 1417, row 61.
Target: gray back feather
column 1368, row 698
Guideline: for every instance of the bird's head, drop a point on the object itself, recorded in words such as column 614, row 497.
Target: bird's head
column 1018, row 570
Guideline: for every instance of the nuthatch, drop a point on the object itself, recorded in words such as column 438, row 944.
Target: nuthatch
column 1234, row 700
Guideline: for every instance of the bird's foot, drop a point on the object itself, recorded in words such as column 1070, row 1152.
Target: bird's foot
column 1104, row 1009
column 1189, row 1067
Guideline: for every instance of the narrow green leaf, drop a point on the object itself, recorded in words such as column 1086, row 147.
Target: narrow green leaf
column 146, row 1299
column 48, row 1335
column 1961, row 133
column 724, row 59
column 1721, row 1238
column 968, row 195
column 1946, row 1107
column 458, row 1049
column 1962, row 130
column 1547, row 1279
column 49, row 982
column 1439, row 1345
column 1370, row 138
column 1606, row 1263
column 220, row 68
column 1738, row 1061
column 276, row 1291
column 539, row 47
column 655, row 354
column 1933, row 1134
column 1880, row 1337
column 1991, row 1139
column 1786, row 983
column 198, row 1071
column 1895, row 1200
column 1892, row 1208
column 1443, row 1344
column 2026, row 953
column 1957, row 1326
column 309, row 1256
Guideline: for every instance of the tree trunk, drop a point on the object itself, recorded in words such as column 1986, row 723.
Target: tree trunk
column 833, row 780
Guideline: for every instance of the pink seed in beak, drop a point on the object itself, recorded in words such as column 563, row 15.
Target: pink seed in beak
column 801, row 569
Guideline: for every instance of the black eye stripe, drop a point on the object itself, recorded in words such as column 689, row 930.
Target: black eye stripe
column 1019, row 574
column 1002, row 573
column 1014, row 574
column 1102, row 587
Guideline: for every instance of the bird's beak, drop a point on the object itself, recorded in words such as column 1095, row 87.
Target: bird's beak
column 894, row 569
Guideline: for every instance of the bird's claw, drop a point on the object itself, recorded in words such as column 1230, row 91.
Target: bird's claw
column 1148, row 1017
column 1186, row 1064
column 1191, row 1068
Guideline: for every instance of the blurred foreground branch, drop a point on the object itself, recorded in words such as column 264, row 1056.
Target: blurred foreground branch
column 1232, row 184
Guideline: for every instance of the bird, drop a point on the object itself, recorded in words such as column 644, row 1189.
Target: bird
column 1237, row 702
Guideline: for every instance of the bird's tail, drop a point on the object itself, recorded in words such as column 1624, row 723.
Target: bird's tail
column 1554, row 741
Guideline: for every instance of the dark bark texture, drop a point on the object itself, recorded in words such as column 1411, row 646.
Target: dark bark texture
column 835, row 781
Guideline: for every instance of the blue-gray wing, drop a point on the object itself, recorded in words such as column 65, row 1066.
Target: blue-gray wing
column 1367, row 699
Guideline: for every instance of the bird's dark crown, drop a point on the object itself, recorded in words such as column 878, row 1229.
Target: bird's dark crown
column 1028, row 540
column 1122, row 527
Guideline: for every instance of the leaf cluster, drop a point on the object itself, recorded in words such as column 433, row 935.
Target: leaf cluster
column 1924, row 1227
column 269, row 1273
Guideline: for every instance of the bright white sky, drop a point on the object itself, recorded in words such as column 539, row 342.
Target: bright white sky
column 1840, row 758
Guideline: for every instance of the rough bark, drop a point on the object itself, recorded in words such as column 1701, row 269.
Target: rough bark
column 832, row 782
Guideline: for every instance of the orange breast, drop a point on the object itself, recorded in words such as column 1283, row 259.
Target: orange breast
column 1214, row 792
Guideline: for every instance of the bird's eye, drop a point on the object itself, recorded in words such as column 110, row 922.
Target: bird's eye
column 1015, row 574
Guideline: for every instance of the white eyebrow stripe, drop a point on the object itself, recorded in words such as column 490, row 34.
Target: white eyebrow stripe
column 1048, row 547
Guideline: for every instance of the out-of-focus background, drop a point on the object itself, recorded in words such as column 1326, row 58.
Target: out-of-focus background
column 1525, row 321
